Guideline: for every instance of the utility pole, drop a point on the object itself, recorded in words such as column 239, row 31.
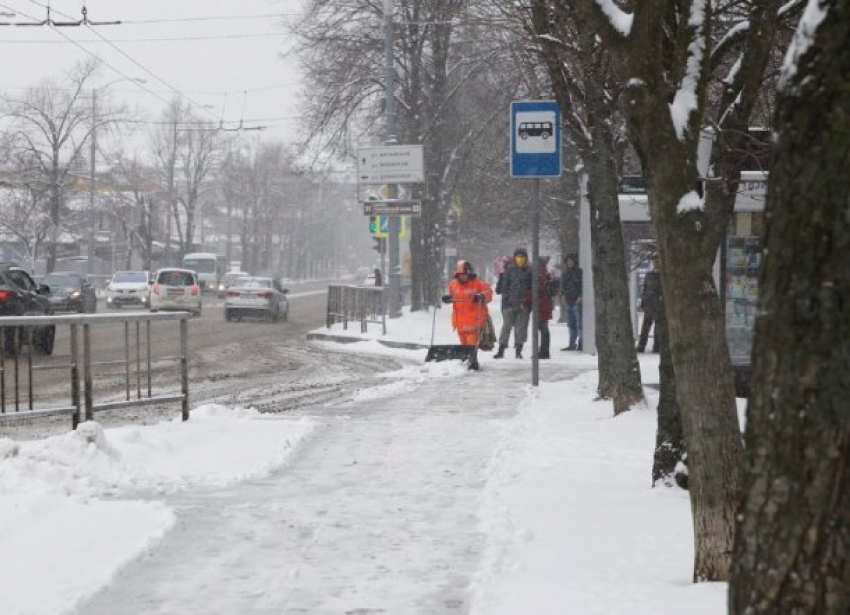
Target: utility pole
column 395, row 298
column 91, row 251
column 171, row 163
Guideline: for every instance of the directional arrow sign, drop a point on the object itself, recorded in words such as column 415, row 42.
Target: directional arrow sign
column 392, row 208
column 390, row 164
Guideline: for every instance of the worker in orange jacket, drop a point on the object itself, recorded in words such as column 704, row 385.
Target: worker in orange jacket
column 470, row 297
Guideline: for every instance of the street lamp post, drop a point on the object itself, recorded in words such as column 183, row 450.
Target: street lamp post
column 90, row 253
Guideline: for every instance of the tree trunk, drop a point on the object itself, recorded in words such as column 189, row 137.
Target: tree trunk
column 619, row 371
column 417, row 297
column 792, row 553
column 669, row 439
column 55, row 214
column 697, row 335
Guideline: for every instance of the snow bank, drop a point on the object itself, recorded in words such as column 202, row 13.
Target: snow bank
column 216, row 447
column 63, row 532
column 573, row 524
column 56, row 550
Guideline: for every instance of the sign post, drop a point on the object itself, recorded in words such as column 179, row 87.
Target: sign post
column 535, row 153
column 391, row 165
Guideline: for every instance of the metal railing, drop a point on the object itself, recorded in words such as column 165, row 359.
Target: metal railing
column 363, row 304
column 23, row 338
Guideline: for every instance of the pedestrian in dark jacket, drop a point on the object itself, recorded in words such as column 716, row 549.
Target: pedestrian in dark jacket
column 546, row 288
column 515, row 287
column 571, row 291
column 379, row 278
column 651, row 305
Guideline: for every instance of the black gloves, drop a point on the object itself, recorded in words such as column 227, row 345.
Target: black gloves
column 478, row 298
column 447, row 298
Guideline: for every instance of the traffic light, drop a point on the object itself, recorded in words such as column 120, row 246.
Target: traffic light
column 373, row 224
column 452, row 224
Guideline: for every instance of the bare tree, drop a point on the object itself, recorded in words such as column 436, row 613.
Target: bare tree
column 23, row 211
column 52, row 123
column 343, row 53
column 187, row 153
column 136, row 203
column 666, row 55
column 792, row 549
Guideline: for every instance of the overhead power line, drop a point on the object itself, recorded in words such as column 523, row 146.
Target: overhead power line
column 171, row 88
column 49, row 21
column 181, row 39
column 220, row 121
column 211, row 18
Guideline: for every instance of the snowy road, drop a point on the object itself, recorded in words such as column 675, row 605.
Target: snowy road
column 375, row 514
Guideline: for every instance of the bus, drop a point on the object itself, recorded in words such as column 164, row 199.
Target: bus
column 535, row 129
column 210, row 268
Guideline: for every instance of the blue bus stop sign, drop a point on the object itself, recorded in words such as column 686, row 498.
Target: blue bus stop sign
column 535, row 138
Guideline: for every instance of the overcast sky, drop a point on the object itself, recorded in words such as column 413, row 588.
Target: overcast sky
column 240, row 77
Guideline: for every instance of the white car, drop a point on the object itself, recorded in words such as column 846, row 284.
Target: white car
column 128, row 288
column 256, row 296
column 176, row 289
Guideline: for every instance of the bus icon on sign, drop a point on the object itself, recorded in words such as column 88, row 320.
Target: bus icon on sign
column 535, row 129
column 534, row 132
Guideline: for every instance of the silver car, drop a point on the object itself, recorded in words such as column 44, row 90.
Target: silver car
column 255, row 296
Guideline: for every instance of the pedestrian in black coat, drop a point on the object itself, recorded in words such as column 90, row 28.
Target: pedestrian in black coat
column 651, row 303
column 515, row 287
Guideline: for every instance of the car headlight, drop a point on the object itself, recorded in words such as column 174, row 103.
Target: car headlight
column 75, row 294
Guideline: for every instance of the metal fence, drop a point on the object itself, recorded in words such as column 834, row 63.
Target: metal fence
column 23, row 346
column 363, row 304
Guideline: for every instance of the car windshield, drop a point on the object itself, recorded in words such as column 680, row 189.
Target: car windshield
column 176, row 278
column 200, row 265
column 253, row 283
column 62, row 279
column 130, row 277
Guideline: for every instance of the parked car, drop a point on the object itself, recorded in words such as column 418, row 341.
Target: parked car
column 70, row 292
column 254, row 296
column 176, row 289
column 128, row 288
column 228, row 280
column 21, row 296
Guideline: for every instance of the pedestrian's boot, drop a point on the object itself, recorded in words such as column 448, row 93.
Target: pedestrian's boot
column 519, row 351
column 501, row 353
column 543, row 353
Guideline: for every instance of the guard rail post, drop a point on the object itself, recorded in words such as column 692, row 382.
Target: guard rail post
column 87, row 376
column 22, row 340
column 75, row 378
column 184, row 367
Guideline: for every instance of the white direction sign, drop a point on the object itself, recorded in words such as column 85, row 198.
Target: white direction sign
column 390, row 164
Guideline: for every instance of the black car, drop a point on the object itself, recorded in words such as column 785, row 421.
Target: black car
column 21, row 296
column 70, row 292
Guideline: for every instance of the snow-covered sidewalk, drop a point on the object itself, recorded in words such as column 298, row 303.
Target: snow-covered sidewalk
column 439, row 491
column 77, row 507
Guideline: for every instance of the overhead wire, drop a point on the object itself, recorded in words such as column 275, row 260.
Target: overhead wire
column 138, row 64
column 173, row 89
column 151, row 73
column 96, row 57
column 139, row 85
column 160, row 39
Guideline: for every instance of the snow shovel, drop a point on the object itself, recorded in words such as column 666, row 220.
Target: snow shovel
column 451, row 352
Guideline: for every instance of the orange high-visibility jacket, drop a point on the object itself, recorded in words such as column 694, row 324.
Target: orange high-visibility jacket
column 468, row 315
